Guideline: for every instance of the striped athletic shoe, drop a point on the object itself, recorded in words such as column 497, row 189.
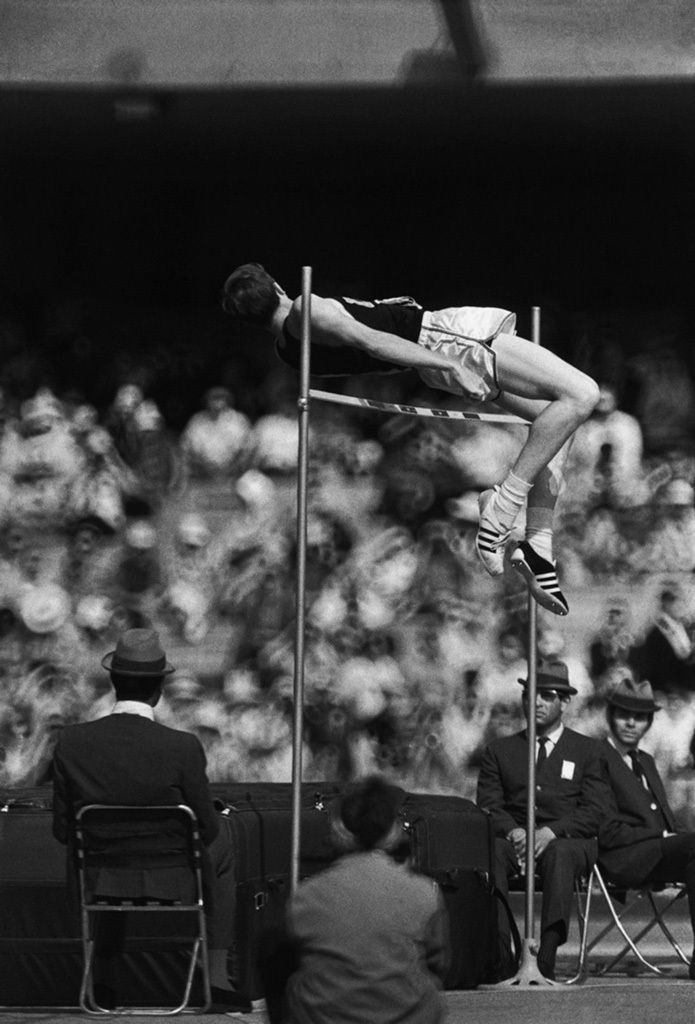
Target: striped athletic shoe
column 490, row 541
column 541, row 577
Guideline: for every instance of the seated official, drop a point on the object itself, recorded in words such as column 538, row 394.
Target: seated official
column 571, row 798
column 368, row 935
column 128, row 758
column 639, row 843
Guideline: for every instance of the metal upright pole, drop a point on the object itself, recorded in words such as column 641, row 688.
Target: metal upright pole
column 531, row 719
column 531, row 795
column 302, row 466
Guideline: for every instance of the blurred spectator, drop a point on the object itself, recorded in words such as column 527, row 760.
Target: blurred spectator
column 11, row 647
column 672, row 539
column 26, row 744
column 50, row 635
column 552, row 646
column 602, row 546
column 85, row 568
column 498, row 678
column 181, row 698
column 120, row 422
column 215, row 441
column 105, row 481
column 188, row 610
column 484, row 452
column 94, row 617
column 14, row 543
column 41, row 460
column 273, row 444
column 665, row 403
column 605, row 460
column 192, row 559
column 664, row 658
column 670, row 741
column 138, row 577
column 610, row 647
column 156, row 460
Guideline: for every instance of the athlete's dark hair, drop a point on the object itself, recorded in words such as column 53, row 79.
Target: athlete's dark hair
column 369, row 810
column 249, row 295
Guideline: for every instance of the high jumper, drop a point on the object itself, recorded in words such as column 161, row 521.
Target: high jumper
column 469, row 351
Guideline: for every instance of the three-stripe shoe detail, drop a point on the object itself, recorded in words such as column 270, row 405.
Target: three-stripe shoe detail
column 490, row 540
column 541, row 577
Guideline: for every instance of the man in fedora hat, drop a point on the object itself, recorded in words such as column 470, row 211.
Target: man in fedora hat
column 571, row 799
column 638, row 839
column 128, row 758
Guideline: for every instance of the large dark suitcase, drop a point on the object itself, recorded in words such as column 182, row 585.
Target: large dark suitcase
column 258, row 821
column 40, row 953
column 452, row 841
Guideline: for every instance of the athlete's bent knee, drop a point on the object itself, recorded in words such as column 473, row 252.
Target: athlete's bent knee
column 585, row 396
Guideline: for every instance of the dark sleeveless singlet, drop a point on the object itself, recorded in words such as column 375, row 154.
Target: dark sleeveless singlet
column 401, row 316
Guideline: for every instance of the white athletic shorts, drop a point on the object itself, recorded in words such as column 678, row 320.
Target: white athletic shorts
column 466, row 333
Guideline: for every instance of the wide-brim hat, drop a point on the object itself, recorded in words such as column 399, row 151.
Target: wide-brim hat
column 552, row 675
column 138, row 653
column 633, row 696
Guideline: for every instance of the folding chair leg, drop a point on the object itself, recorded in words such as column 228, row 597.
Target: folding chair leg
column 597, row 886
column 87, row 1000
column 629, row 942
column 583, row 921
column 198, row 958
column 659, row 919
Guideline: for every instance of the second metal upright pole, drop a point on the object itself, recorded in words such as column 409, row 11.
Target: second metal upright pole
column 302, row 474
column 528, row 974
column 531, row 773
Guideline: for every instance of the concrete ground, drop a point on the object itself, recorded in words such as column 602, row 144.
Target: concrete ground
column 618, row 1000
column 628, row 995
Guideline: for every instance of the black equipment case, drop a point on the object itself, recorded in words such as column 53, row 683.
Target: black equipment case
column 258, row 819
column 452, row 841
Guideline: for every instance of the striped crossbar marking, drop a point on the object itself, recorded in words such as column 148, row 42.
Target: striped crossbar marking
column 414, row 410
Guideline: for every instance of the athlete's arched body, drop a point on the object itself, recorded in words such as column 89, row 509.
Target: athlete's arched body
column 469, row 351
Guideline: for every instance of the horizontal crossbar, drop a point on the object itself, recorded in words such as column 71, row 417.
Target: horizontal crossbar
column 414, row 410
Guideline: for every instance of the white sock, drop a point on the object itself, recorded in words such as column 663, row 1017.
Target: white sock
column 509, row 500
column 539, row 531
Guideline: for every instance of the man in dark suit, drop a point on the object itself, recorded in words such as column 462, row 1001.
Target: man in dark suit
column 571, row 798
column 638, row 839
column 128, row 758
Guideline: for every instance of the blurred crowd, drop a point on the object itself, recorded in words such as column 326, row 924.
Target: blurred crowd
column 109, row 519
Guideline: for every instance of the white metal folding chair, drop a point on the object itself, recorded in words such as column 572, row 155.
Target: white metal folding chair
column 104, row 848
column 652, row 901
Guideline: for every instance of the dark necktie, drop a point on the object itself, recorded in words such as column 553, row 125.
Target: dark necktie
column 542, row 751
column 639, row 772
column 636, row 766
